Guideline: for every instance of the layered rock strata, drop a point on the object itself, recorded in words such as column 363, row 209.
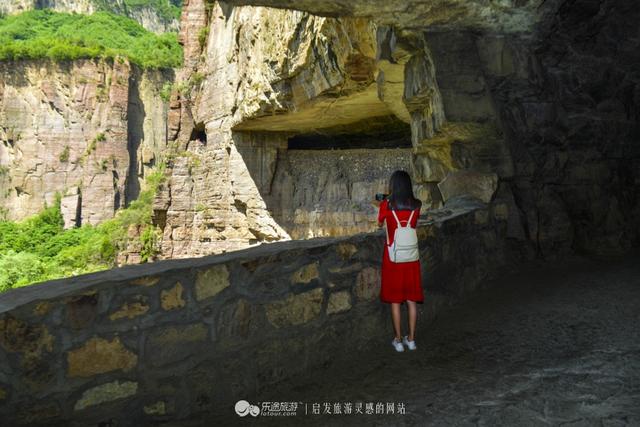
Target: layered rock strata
column 89, row 130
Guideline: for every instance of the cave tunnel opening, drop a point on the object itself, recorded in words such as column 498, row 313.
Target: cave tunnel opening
column 374, row 133
column 199, row 133
column 321, row 182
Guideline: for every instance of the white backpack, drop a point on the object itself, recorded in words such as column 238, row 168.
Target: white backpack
column 405, row 242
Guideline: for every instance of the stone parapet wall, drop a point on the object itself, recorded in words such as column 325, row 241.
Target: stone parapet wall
column 179, row 339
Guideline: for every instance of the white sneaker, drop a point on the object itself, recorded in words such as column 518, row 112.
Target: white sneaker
column 410, row 344
column 397, row 345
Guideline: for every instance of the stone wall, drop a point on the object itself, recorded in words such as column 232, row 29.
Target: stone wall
column 87, row 129
column 180, row 339
column 317, row 193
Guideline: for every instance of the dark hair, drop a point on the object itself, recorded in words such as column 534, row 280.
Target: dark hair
column 401, row 196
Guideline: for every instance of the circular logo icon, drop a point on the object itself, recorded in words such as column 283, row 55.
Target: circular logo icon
column 243, row 408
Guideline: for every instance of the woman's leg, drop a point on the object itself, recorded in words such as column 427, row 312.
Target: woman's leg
column 412, row 319
column 395, row 314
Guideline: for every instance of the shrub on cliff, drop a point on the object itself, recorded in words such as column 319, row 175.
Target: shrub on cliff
column 39, row 248
column 61, row 36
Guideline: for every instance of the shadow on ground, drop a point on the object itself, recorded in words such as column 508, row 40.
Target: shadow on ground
column 554, row 344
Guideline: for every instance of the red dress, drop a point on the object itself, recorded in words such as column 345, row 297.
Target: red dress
column 399, row 281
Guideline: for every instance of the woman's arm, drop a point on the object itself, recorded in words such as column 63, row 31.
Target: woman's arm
column 377, row 204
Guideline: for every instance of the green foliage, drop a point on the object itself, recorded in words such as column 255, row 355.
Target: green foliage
column 91, row 147
column 149, row 240
column 184, row 87
column 19, row 269
column 196, row 79
column 39, row 248
column 165, row 92
column 64, row 155
column 61, row 36
column 202, row 36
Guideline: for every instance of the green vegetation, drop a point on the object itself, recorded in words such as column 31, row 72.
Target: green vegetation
column 64, row 155
column 39, row 249
column 61, row 36
column 184, row 87
column 202, row 36
column 165, row 92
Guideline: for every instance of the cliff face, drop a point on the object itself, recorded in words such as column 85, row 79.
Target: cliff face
column 86, row 129
column 273, row 81
column 533, row 100
column 531, row 106
column 148, row 16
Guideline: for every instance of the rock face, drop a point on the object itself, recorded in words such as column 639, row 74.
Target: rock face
column 538, row 97
column 540, row 94
column 88, row 130
column 319, row 193
column 441, row 15
column 148, row 16
column 267, row 76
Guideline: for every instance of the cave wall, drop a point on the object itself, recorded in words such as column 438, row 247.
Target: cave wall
column 260, row 70
column 86, row 129
column 329, row 192
column 541, row 93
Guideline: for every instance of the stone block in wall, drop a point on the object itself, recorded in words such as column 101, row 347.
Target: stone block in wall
column 296, row 308
column 339, row 302
column 368, row 283
column 106, row 393
column 169, row 344
column 234, row 322
column 211, row 281
column 476, row 184
column 306, row 274
column 99, row 355
column 137, row 306
column 172, row 299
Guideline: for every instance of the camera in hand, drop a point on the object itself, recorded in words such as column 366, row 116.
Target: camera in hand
column 381, row 196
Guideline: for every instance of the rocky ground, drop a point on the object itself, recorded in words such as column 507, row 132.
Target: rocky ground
column 552, row 345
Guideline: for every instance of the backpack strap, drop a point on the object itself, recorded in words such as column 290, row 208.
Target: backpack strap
column 408, row 221
column 396, row 217
column 398, row 221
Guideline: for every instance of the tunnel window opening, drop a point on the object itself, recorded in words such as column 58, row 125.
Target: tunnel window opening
column 199, row 133
column 374, row 133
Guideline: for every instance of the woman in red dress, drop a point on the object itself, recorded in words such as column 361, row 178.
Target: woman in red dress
column 400, row 282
